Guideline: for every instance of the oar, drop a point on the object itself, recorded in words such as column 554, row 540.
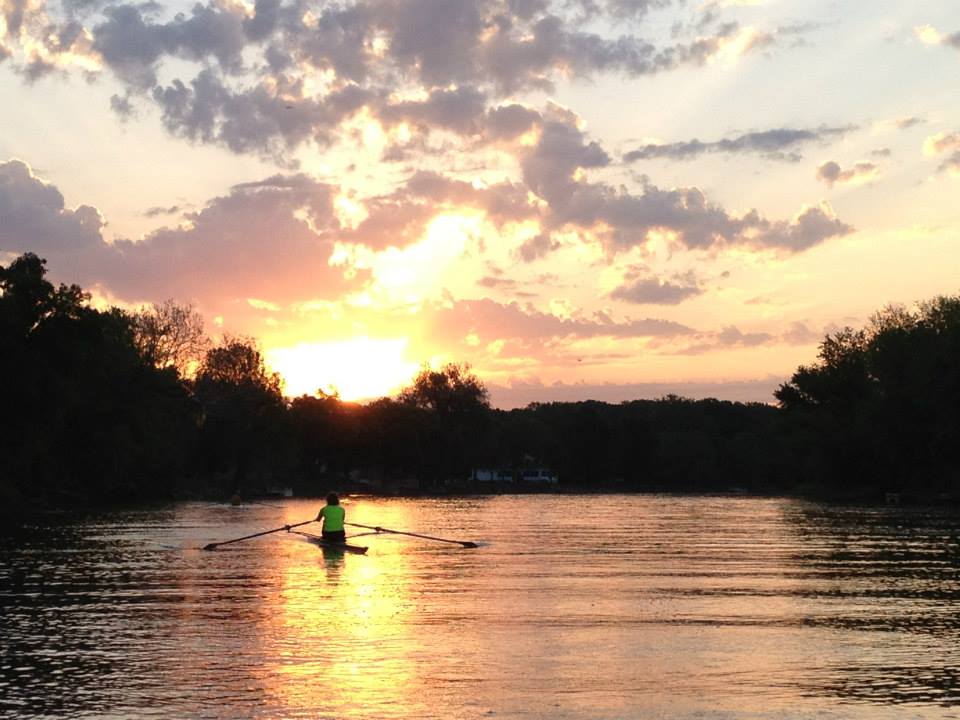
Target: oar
column 214, row 546
column 464, row 543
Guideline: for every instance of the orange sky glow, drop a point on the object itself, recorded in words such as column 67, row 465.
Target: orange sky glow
column 610, row 199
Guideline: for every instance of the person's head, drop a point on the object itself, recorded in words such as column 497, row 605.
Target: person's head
column 332, row 499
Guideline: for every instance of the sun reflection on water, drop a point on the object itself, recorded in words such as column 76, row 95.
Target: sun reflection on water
column 349, row 615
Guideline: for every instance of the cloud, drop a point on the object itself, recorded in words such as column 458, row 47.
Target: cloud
column 929, row 35
column 132, row 45
column 832, row 174
column 654, row 291
column 908, row 122
column 158, row 210
column 269, row 77
column 537, row 247
column 489, row 321
column 944, row 143
column 400, row 218
column 940, row 143
column 799, row 334
column 34, row 216
column 272, row 238
column 268, row 240
column 769, row 143
column 730, row 337
column 510, row 121
column 951, row 164
column 459, row 110
column 259, row 119
column 520, row 392
column 810, row 227
column 623, row 220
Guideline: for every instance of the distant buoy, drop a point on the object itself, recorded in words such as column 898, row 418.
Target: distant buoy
column 236, row 500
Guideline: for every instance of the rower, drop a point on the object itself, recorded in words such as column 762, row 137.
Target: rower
column 332, row 514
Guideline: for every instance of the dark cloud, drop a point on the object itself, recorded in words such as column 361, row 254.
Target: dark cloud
column 255, row 120
column 122, row 106
column 265, row 19
column 536, row 247
column 952, row 163
column 624, row 220
column 811, row 227
column 832, row 174
column 157, row 211
column 255, row 62
column 502, row 202
column 648, row 290
column 34, row 217
column 131, row 44
column 489, row 281
column 510, row 121
column 632, row 8
column 459, row 110
column 14, row 12
column 561, row 150
column 906, row 123
column 36, row 69
column 953, row 40
column 881, row 152
column 56, row 40
column 945, row 143
column 770, row 143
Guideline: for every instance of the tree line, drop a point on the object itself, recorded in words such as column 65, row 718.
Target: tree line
column 109, row 405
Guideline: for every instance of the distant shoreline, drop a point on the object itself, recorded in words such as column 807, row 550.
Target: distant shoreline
column 26, row 513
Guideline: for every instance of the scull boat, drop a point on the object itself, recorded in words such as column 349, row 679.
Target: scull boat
column 318, row 540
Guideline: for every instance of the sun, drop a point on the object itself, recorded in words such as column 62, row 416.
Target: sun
column 361, row 368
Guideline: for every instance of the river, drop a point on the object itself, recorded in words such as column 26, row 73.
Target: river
column 572, row 607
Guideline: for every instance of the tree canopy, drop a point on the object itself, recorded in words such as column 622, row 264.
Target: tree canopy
column 107, row 405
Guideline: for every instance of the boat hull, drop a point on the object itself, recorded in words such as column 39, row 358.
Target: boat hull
column 330, row 545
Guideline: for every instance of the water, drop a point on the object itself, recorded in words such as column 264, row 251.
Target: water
column 573, row 607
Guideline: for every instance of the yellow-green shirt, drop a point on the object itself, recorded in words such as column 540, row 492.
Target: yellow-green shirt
column 333, row 517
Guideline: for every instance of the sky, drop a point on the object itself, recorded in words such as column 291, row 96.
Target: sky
column 582, row 199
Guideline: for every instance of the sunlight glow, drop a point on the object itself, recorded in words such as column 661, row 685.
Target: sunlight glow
column 350, row 213
column 732, row 49
column 359, row 368
column 415, row 270
column 927, row 34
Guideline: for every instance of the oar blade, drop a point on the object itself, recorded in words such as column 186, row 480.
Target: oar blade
column 210, row 546
column 468, row 544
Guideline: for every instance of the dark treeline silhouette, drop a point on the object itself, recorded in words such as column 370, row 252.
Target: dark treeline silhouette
column 881, row 407
column 116, row 406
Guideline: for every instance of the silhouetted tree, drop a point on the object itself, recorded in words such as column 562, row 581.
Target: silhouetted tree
column 328, row 433
column 453, row 407
column 451, row 391
column 881, row 408
column 244, row 413
column 83, row 415
column 171, row 335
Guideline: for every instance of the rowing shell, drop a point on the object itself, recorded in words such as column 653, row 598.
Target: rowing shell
column 317, row 540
